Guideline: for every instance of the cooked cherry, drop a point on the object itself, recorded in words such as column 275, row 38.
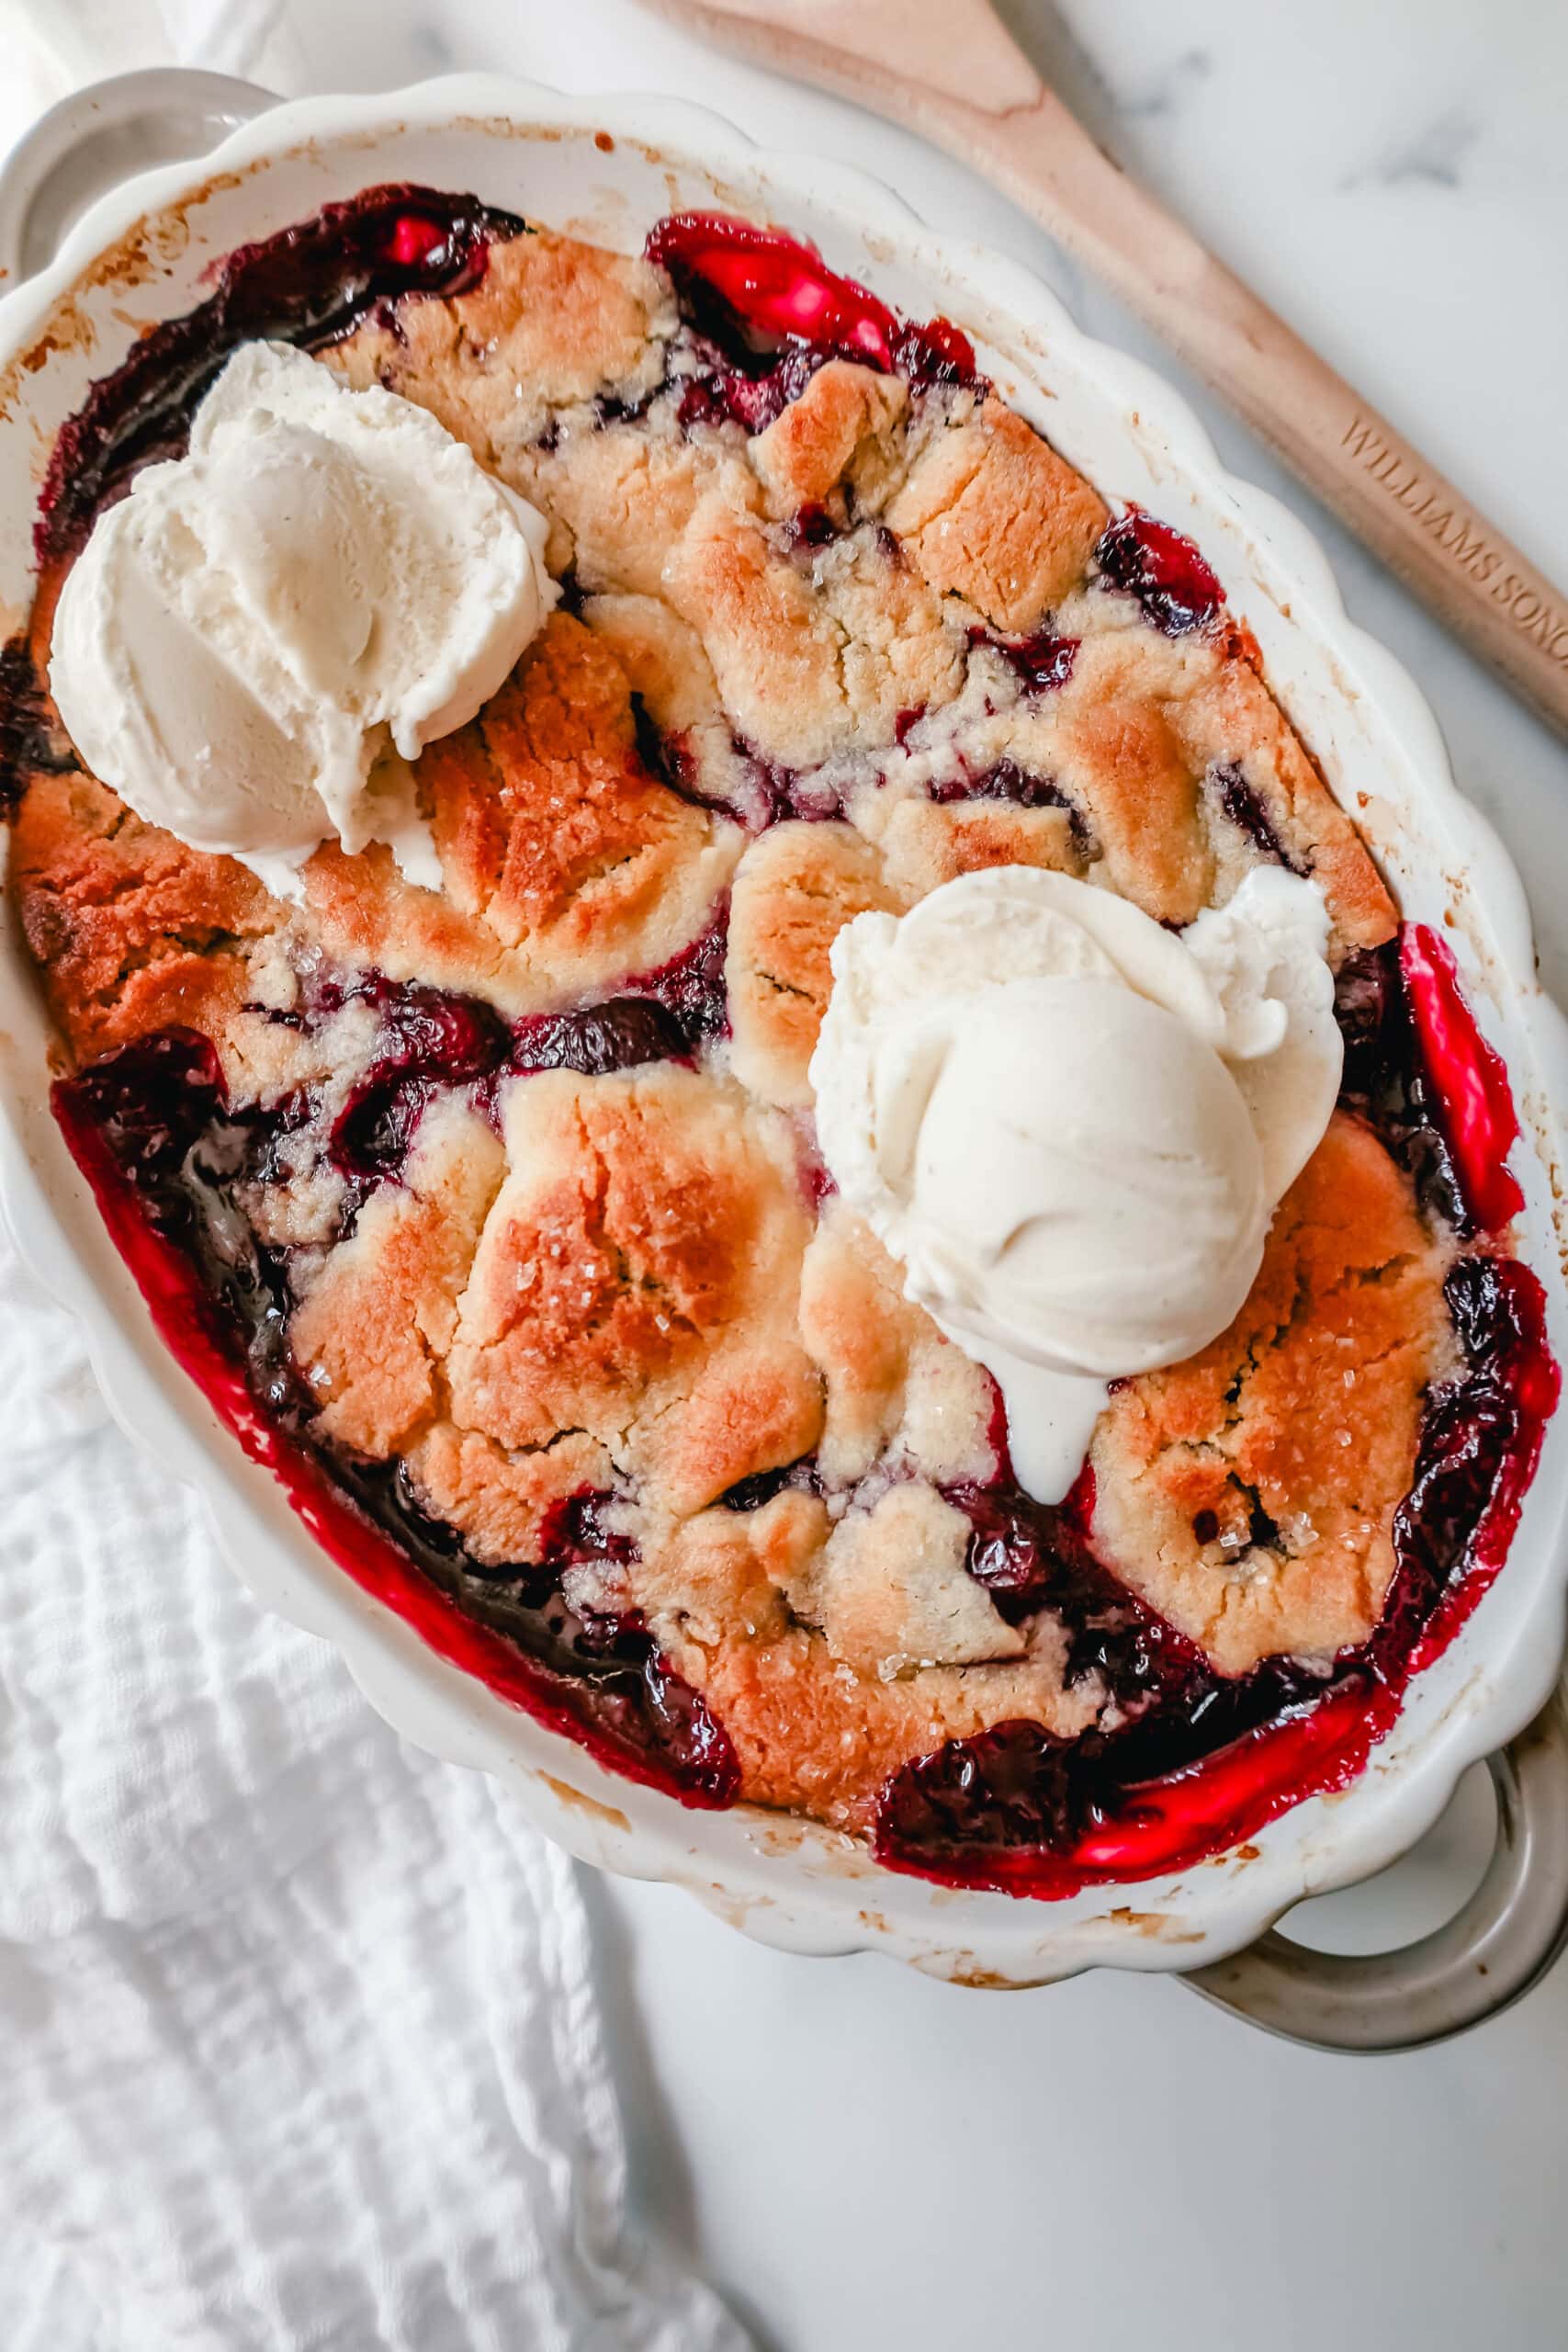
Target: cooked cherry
column 574, row 1530
column 751, row 292
column 1472, row 1097
column 150, row 1130
column 599, row 1038
column 1162, row 569
column 810, row 527
column 669, row 758
column 1184, row 1760
column 1244, row 808
column 741, row 386
column 1419, row 1070
column 750, row 1493
column 428, row 1040
column 1478, row 1443
column 30, row 739
column 1010, row 1548
column 1041, row 663
column 1005, row 780
column 150, row 1101
column 664, row 1016
column 691, row 988
column 601, row 1676
column 1197, row 1759
column 1368, row 1006
column 937, row 352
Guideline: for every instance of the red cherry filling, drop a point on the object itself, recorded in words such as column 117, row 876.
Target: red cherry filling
column 735, row 274
column 692, row 988
column 1005, row 780
column 597, row 1039
column 574, row 1530
column 150, row 1130
column 750, row 1493
column 29, row 740
column 1385, row 1082
column 1478, row 1449
column 1474, row 1104
column 148, row 1103
column 767, row 311
column 1419, row 1068
column 1014, row 1548
column 1244, row 807
column 810, row 527
column 1041, row 663
column 429, row 1040
column 723, row 391
column 1162, row 569
column 1198, row 1761
column 1186, row 1762
column 599, row 1675
column 1033, row 1556
column 669, row 757
column 414, row 241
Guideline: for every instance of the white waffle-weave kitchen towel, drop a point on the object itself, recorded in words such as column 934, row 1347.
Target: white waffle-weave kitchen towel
column 298, row 2045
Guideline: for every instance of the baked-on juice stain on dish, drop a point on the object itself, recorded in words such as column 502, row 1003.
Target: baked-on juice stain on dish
column 1199, row 1760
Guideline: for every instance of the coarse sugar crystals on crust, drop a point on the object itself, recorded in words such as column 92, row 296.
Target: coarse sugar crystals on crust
column 533, row 1148
column 635, row 1279
column 552, row 325
column 1245, row 1494
column 838, row 441
column 566, row 864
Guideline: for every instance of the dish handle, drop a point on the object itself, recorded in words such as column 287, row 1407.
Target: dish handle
column 101, row 135
column 1482, row 1960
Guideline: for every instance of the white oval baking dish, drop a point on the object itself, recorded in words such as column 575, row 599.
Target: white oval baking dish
column 606, row 168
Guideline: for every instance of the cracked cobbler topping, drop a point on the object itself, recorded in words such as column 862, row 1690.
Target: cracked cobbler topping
column 493, row 1214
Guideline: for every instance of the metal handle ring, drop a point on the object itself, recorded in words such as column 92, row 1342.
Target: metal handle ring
column 1501, row 1944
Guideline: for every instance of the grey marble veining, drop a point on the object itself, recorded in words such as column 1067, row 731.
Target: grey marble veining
column 1436, row 152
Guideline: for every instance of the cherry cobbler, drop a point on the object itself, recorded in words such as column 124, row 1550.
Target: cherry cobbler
column 490, row 1209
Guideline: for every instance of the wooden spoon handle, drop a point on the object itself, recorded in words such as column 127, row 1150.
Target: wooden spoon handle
column 1360, row 464
column 1008, row 126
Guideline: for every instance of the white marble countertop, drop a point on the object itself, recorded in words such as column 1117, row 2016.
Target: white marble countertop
column 863, row 2159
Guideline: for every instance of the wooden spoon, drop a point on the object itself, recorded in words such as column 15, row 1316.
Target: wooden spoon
column 949, row 70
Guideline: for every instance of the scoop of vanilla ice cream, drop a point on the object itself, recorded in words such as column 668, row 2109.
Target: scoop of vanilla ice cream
column 254, row 640
column 1073, row 1126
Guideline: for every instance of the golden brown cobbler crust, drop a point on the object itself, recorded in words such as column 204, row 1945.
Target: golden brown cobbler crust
column 566, row 864
column 132, row 930
column 987, row 511
column 621, row 1285
column 1307, row 1407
